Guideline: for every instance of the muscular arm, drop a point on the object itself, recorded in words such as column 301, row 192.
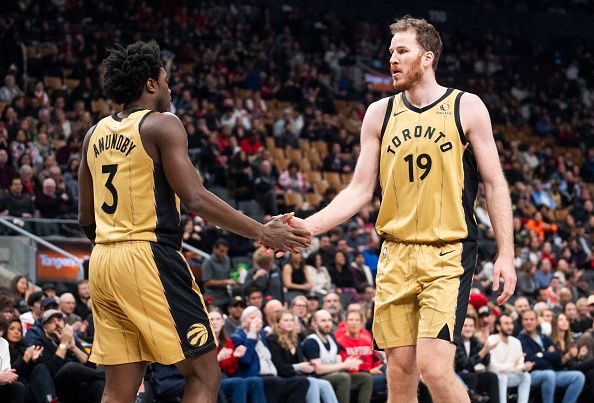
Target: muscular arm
column 360, row 191
column 86, row 206
column 477, row 126
column 166, row 132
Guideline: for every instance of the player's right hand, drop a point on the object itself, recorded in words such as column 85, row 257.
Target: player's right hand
column 278, row 235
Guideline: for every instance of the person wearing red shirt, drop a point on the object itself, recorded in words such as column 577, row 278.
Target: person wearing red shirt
column 356, row 342
column 238, row 389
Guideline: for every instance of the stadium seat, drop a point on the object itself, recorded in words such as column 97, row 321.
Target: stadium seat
column 52, row 82
column 294, row 200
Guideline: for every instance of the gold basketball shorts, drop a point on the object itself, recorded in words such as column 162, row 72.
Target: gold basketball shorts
column 422, row 291
column 146, row 305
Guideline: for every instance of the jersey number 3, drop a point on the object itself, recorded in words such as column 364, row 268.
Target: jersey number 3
column 423, row 162
column 111, row 170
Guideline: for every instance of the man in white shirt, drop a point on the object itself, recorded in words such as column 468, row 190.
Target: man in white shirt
column 507, row 360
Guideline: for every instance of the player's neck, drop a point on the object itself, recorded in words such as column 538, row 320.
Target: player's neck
column 425, row 92
column 140, row 103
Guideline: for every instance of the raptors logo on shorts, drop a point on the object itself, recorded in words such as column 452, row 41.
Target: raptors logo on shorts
column 197, row 335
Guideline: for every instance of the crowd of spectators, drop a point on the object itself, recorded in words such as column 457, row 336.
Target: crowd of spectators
column 247, row 75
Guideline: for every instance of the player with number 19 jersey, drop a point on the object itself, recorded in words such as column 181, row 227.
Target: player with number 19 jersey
column 428, row 174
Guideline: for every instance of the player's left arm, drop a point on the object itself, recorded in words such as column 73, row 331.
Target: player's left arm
column 86, row 204
column 476, row 123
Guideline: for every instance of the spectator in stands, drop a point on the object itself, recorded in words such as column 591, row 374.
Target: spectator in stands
column 20, row 291
column 35, row 333
column 255, row 298
column 238, row 389
column 271, row 309
column 332, row 304
column 342, row 276
column 33, row 315
column 540, row 349
column 25, row 360
column 216, row 274
column 578, row 325
column 257, row 360
column 362, row 276
column 292, row 180
column 10, row 89
column 265, row 184
column 507, row 360
column 296, row 278
column 572, row 357
column 7, row 171
column 544, row 274
column 333, row 162
column 357, row 342
column 472, row 359
column 302, row 316
column 521, row 305
column 83, row 299
column 7, row 310
column 67, row 306
column 51, row 205
column 11, row 390
column 324, row 353
column 26, row 174
column 318, row 273
column 66, row 358
column 233, row 320
column 16, row 203
column 264, row 276
column 288, row 358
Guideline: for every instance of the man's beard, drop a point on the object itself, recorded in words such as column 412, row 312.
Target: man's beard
column 411, row 78
column 323, row 332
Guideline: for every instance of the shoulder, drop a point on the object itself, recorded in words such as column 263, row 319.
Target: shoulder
column 470, row 105
column 158, row 122
column 380, row 106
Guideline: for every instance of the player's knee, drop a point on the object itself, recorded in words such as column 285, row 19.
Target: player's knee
column 399, row 369
column 432, row 374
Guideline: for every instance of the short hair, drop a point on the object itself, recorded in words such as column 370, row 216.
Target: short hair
column 501, row 315
column 128, row 69
column 221, row 242
column 248, row 311
column 427, row 36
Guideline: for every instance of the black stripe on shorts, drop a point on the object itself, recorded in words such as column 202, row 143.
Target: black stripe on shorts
column 186, row 307
column 469, row 256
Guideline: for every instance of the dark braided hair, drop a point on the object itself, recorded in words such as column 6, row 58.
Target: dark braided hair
column 128, row 69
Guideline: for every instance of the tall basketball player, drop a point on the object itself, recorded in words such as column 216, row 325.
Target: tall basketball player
column 428, row 144
column 134, row 171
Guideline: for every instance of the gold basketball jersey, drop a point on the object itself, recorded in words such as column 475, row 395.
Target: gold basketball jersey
column 428, row 174
column 133, row 200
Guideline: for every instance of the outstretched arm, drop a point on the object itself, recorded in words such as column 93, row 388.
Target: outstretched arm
column 166, row 131
column 360, row 191
column 477, row 126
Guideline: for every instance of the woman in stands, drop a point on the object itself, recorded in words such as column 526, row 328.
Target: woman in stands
column 39, row 387
column 289, row 360
column 299, row 309
column 572, row 357
column 321, row 281
column 19, row 292
column 295, row 278
column 237, row 388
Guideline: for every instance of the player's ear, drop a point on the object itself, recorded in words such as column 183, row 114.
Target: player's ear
column 151, row 85
column 428, row 58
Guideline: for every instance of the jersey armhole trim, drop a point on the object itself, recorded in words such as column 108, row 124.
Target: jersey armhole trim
column 457, row 118
column 142, row 120
column 387, row 117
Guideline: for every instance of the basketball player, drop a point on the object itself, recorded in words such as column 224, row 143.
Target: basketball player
column 134, row 171
column 426, row 142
